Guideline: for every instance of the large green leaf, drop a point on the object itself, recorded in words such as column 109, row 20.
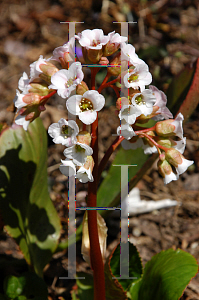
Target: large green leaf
column 117, row 288
column 27, row 210
column 27, row 286
column 166, row 276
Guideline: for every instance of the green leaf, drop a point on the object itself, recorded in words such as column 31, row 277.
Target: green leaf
column 134, row 262
column 28, row 212
column 179, row 88
column 166, row 276
column 111, row 185
column 85, row 286
column 117, row 288
column 28, row 286
column 13, row 286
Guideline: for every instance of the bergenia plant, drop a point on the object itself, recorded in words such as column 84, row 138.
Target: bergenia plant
column 144, row 102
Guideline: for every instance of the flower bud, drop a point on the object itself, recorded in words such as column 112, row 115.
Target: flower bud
column 116, row 63
column 175, row 158
column 84, row 137
column 164, row 141
column 48, row 69
column 166, row 171
column 31, row 98
column 170, row 127
column 102, row 232
column 92, row 55
column 104, row 61
column 39, row 88
column 110, row 48
column 121, row 101
column 89, row 164
column 81, row 88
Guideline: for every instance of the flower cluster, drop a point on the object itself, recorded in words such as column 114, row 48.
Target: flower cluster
column 144, row 102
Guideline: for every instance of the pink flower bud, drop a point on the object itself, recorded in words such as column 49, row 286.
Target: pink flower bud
column 89, row 164
column 48, row 69
column 31, row 98
column 175, row 158
column 121, row 101
column 81, row 88
column 104, row 61
column 170, row 127
column 166, row 171
column 84, row 137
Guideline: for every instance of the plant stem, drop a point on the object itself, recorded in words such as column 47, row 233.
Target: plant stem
column 108, row 153
column 95, row 252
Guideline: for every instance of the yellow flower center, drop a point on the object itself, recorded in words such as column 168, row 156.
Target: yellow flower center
column 139, row 100
column 69, row 83
column 85, row 105
column 67, row 131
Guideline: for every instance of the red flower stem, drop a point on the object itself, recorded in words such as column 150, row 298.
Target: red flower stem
column 108, row 153
column 116, row 90
column 141, row 129
column 106, row 85
column 152, row 140
column 97, row 264
column 48, row 96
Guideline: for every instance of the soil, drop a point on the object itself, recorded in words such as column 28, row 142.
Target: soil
column 166, row 36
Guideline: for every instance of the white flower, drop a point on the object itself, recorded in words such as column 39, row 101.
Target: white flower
column 180, row 145
column 138, row 77
column 84, row 175
column 19, row 104
column 170, row 177
column 178, row 125
column 78, row 153
column 144, row 102
column 64, row 132
column 66, row 51
column 149, row 149
column 175, row 158
column 161, row 101
column 92, row 39
column 35, row 70
column 181, row 168
column 125, row 130
column 129, row 113
column 23, row 83
column 67, row 168
column 116, row 38
column 86, row 106
column 65, row 81
column 128, row 54
column 18, row 100
column 166, row 171
column 20, row 120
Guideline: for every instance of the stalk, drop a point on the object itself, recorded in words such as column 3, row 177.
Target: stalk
column 97, row 264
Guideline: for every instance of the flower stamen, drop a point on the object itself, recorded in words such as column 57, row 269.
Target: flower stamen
column 85, row 105
column 139, row 100
column 66, row 131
